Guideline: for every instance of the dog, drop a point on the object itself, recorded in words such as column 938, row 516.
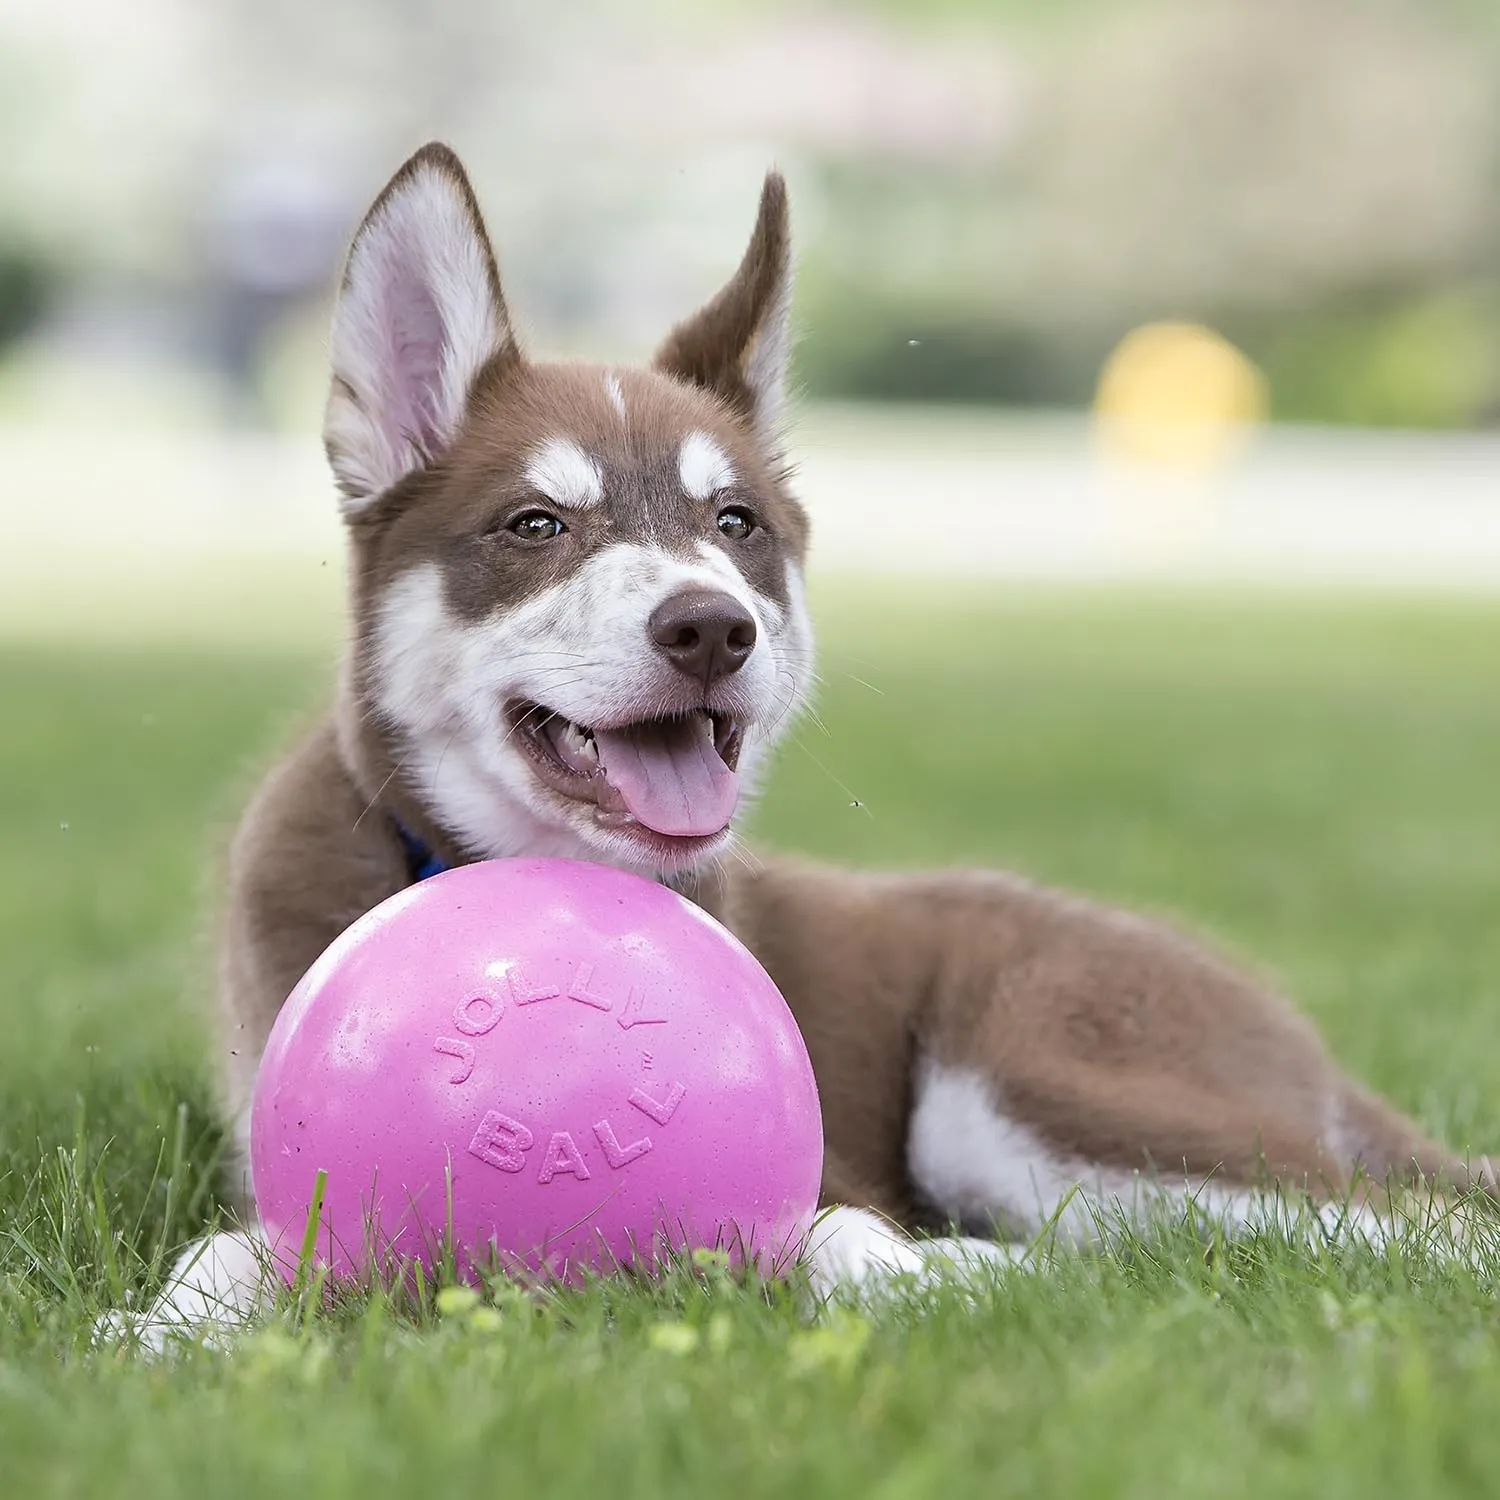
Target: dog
column 578, row 629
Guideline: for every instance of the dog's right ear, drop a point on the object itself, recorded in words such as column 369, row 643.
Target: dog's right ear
column 418, row 316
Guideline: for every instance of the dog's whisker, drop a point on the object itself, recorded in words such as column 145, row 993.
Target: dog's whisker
column 396, row 769
column 748, row 860
column 807, row 707
column 379, row 792
column 783, row 713
column 520, row 723
column 437, row 768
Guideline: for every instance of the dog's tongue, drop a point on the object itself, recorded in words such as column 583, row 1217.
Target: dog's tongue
column 670, row 775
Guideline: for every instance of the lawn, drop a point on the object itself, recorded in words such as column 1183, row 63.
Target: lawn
column 1310, row 782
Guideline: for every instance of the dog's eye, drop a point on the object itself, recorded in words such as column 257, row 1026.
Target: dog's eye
column 536, row 526
column 736, row 522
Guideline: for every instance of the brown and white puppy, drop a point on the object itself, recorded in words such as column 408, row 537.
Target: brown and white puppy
column 578, row 629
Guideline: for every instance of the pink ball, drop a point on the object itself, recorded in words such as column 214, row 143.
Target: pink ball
column 567, row 1066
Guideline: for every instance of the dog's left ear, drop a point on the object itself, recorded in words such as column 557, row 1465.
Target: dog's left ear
column 739, row 345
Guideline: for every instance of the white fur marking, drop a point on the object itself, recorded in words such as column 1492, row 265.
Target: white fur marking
column 566, row 475
column 615, row 394
column 703, row 467
column 977, row 1165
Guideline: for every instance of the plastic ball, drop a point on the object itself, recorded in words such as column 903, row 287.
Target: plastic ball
column 549, row 1066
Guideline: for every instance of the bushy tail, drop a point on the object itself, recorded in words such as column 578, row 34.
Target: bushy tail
column 1382, row 1145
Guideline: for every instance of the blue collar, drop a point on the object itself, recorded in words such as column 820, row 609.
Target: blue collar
column 420, row 860
column 423, row 864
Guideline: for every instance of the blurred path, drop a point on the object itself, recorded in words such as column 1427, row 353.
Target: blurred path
column 1034, row 499
column 891, row 492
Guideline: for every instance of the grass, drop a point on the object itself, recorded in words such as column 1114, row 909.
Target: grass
column 1310, row 782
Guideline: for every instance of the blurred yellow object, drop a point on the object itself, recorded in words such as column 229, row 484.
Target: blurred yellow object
column 1177, row 395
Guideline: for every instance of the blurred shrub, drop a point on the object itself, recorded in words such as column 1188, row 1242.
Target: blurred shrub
column 856, row 349
column 28, row 288
column 1423, row 361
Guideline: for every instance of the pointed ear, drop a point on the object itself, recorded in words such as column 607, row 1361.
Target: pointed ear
column 418, row 316
column 739, row 344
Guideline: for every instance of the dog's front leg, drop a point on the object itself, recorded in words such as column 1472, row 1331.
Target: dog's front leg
column 216, row 1286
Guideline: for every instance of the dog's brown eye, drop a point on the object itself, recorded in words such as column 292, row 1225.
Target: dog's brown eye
column 736, row 523
column 536, row 526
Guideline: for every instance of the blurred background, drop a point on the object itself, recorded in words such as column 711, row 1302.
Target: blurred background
column 1194, row 288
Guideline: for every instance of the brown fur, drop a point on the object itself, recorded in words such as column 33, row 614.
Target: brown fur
column 1116, row 1041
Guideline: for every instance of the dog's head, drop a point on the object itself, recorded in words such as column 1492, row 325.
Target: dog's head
column 578, row 612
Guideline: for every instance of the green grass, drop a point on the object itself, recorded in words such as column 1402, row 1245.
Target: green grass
column 1311, row 783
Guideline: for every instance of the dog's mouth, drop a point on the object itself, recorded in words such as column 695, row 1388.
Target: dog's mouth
column 677, row 775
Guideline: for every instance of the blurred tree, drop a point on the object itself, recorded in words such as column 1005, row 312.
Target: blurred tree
column 1318, row 177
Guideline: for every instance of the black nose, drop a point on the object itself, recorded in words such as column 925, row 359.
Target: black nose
column 704, row 633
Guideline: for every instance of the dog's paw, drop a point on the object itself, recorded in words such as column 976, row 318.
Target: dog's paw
column 855, row 1252
column 216, row 1287
column 853, row 1249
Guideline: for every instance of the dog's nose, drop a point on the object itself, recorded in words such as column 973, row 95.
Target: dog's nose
column 704, row 633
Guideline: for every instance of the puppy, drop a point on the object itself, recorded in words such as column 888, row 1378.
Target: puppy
column 577, row 628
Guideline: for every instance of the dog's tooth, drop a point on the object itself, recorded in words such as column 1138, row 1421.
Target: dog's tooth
column 577, row 746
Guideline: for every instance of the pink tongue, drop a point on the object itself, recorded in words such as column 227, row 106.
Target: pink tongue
column 670, row 775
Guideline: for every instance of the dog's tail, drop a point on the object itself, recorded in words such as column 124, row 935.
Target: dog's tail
column 1383, row 1146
